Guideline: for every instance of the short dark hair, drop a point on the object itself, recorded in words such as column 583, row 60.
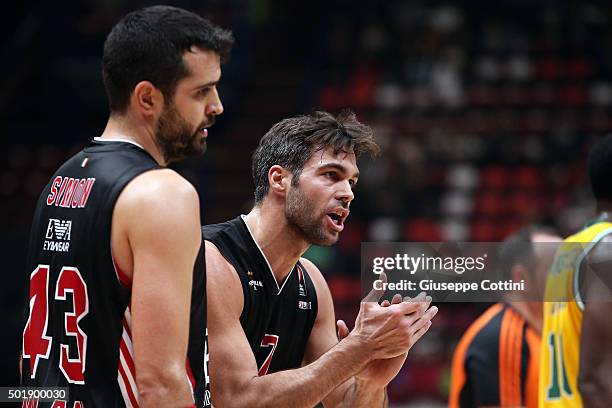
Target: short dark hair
column 599, row 164
column 518, row 249
column 291, row 142
column 148, row 44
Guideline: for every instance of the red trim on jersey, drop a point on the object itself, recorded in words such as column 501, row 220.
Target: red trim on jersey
column 127, row 357
column 126, row 368
column 128, row 387
column 190, row 377
column 127, row 329
column 124, row 280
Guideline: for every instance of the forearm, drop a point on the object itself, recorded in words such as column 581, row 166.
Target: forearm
column 302, row 387
column 169, row 389
column 360, row 394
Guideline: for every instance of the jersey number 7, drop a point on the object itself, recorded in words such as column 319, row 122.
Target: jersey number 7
column 269, row 340
column 36, row 342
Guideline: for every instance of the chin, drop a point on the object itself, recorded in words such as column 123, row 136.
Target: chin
column 328, row 241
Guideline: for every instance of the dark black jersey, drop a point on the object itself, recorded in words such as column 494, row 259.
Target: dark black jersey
column 78, row 329
column 277, row 319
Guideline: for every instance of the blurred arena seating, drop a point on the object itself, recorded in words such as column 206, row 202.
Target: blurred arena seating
column 484, row 113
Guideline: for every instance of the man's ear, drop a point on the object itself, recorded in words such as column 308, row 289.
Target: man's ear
column 519, row 272
column 147, row 99
column 279, row 179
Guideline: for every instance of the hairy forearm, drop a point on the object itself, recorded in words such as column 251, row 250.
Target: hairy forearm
column 302, row 387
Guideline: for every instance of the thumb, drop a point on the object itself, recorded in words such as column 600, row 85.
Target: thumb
column 375, row 295
column 343, row 329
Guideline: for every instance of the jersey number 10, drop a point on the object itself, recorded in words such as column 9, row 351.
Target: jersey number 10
column 36, row 342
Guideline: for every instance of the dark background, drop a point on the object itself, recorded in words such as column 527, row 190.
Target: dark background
column 484, row 110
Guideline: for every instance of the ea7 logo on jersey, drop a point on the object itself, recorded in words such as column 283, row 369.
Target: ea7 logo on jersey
column 58, row 235
column 59, row 229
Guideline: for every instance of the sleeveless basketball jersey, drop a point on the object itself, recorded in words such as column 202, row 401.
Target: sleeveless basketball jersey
column 78, row 329
column 277, row 318
column 563, row 320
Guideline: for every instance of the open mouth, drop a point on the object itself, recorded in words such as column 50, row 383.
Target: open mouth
column 336, row 218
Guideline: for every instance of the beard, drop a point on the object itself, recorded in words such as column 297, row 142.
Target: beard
column 302, row 216
column 176, row 138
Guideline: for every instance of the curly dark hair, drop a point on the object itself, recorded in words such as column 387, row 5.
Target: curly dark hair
column 291, row 142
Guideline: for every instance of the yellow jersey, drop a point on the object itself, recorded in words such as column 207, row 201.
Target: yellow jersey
column 563, row 306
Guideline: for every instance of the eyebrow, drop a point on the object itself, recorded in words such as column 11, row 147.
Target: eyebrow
column 206, row 85
column 339, row 167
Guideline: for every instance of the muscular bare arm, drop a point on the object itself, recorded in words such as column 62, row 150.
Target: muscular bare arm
column 367, row 388
column 596, row 336
column 233, row 368
column 155, row 240
column 322, row 338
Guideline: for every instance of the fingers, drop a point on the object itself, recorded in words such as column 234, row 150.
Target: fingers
column 397, row 298
column 343, row 329
column 430, row 313
column 419, row 333
column 404, row 308
column 424, row 323
column 421, row 321
column 419, row 314
column 375, row 295
column 425, row 304
column 415, row 305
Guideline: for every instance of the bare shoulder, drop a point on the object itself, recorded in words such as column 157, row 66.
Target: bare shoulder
column 161, row 185
column 317, row 279
column 222, row 282
column 314, row 273
column 158, row 214
column 218, row 268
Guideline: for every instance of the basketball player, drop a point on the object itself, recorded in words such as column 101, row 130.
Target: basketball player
column 576, row 360
column 271, row 318
column 113, row 248
column 497, row 361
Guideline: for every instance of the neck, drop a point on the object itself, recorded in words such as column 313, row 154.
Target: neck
column 280, row 242
column 527, row 310
column 124, row 127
